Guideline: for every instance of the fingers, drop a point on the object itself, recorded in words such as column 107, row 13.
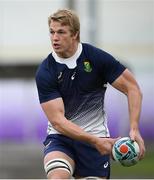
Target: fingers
column 142, row 150
column 137, row 137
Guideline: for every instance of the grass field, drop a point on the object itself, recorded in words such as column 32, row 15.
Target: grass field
column 143, row 170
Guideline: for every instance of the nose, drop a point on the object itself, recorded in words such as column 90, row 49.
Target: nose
column 55, row 37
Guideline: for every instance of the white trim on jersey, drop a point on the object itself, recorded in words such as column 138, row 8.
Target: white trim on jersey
column 70, row 62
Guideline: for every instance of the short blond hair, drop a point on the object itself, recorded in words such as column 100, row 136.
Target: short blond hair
column 67, row 17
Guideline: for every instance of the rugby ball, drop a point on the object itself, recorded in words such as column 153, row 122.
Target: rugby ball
column 126, row 152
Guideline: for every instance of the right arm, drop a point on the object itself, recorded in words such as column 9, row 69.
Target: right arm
column 54, row 110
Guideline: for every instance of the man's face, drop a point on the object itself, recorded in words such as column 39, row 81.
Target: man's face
column 61, row 38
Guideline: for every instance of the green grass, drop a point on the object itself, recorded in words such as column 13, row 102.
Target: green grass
column 144, row 169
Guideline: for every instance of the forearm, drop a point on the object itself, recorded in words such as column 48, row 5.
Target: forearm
column 73, row 131
column 54, row 111
column 134, row 103
column 69, row 129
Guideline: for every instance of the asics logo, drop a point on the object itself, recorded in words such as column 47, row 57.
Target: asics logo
column 73, row 76
column 106, row 164
column 48, row 144
column 60, row 75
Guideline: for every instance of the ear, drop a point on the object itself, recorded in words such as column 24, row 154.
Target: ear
column 75, row 36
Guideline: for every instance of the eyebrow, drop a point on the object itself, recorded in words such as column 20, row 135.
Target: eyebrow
column 50, row 29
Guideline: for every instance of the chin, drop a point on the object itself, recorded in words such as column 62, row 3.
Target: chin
column 59, row 53
column 58, row 50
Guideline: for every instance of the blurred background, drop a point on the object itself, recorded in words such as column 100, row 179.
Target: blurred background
column 124, row 28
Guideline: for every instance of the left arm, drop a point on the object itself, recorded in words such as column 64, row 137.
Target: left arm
column 127, row 84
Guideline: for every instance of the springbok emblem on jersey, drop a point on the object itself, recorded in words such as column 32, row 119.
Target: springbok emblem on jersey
column 87, row 66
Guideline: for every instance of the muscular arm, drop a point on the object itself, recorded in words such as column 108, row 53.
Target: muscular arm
column 54, row 109
column 128, row 85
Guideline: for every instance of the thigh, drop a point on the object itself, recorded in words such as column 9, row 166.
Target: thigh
column 89, row 162
column 58, row 159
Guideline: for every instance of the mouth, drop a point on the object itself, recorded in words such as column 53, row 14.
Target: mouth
column 56, row 46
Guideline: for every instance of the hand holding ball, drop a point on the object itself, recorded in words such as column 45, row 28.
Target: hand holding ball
column 126, row 151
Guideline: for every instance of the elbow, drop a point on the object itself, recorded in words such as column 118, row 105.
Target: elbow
column 134, row 92
column 137, row 93
column 57, row 124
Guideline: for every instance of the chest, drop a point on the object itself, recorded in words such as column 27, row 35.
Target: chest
column 82, row 79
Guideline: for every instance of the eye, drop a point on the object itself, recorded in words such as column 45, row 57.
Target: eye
column 51, row 32
column 61, row 32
